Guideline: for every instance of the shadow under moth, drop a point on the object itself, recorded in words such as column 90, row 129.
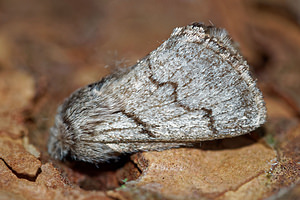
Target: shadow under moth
column 194, row 87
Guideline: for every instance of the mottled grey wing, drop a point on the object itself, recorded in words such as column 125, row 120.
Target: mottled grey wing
column 195, row 86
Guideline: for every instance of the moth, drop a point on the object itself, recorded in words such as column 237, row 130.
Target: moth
column 195, row 86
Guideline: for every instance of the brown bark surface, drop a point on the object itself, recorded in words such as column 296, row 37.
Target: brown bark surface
column 50, row 48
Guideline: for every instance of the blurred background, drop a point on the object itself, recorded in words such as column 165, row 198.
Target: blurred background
column 49, row 48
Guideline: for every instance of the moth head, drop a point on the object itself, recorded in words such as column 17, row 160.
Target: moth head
column 59, row 139
column 67, row 141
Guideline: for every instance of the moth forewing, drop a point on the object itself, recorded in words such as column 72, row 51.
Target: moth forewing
column 194, row 87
